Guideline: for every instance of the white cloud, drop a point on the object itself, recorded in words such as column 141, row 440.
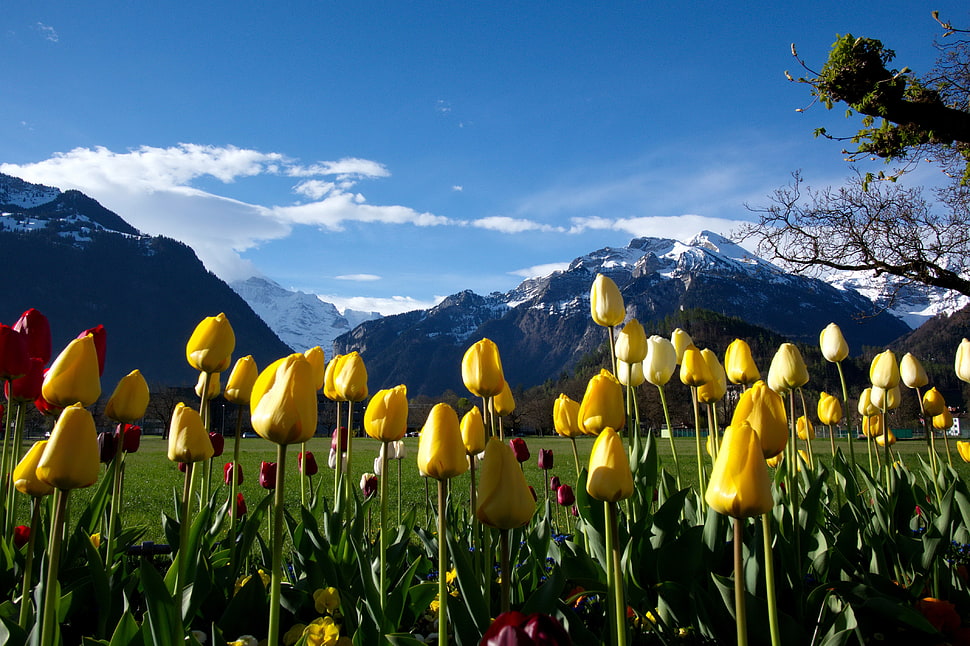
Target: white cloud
column 678, row 227
column 504, row 224
column 537, row 271
column 47, row 32
column 360, row 278
column 458, row 188
column 386, row 306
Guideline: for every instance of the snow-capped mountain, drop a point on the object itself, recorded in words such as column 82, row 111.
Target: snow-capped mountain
column 913, row 303
column 301, row 320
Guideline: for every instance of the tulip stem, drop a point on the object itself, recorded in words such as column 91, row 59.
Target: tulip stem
column 475, row 523
column 6, row 465
column 770, row 581
column 845, row 404
column 345, row 493
column 701, row 484
column 575, row 456
column 443, row 564
column 115, row 497
column 399, row 460
column 670, row 432
column 505, row 568
column 51, row 596
column 740, row 612
column 14, row 459
column 616, row 575
column 29, row 562
column 337, row 498
column 274, row 591
column 184, row 524
column 303, row 474
column 233, row 490
column 382, row 535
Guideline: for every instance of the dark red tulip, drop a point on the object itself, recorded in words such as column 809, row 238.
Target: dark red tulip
column 132, row 435
column 516, row 629
column 368, row 484
column 27, row 388
column 520, row 449
column 14, row 360
column 267, row 475
column 565, row 495
column 183, row 467
column 545, row 629
column 555, row 483
column 21, row 536
column 240, row 505
column 100, row 343
column 307, row 463
column 107, row 446
column 37, row 331
column 218, row 443
column 343, row 439
column 545, row 459
column 228, row 471
column 575, row 511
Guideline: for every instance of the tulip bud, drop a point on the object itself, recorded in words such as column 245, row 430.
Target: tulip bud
column 867, row 407
column 787, row 370
column 829, row 409
column 21, row 536
column 503, row 403
column 129, row 399
column 378, row 469
column 218, row 441
column 739, row 486
column 210, row 347
column 70, row 459
column 884, row 370
column 130, row 437
column 694, row 370
column 503, row 499
column 441, row 452
column 188, row 440
column 888, row 397
column 631, row 343
column 715, row 389
column 100, row 336
column 804, row 429
column 962, row 363
column 943, row 421
column 963, row 448
column 872, row 425
column 386, row 416
column 833, row 345
column 775, row 461
column 350, row 380
column 629, row 374
column 368, row 484
column 473, row 431
column 565, row 416
column 107, row 447
column 232, row 469
column 888, row 437
column 28, row 387
column 911, row 372
column 283, row 405
column 343, row 440
column 520, row 449
column 267, row 475
column 606, row 302
column 933, row 402
column 396, row 450
column 306, row 462
column 610, row 478
column 240, row 505
column 74, row 376
column 545, row 459
column 764, row 410
column 329, row 386
column 332, row 459
column 602, row 404
column 239, row 388
column 565, row 495
column 25, row 477
column 739, row 365
column 661, row 360
column 36, row 330
column 481, row 369
column 14, row 359
column 555, row 483
column 318, row 362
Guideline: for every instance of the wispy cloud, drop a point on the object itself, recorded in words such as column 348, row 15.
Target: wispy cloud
column 359, row 278
column 540, row 270
column 386, row 306
column 506, row 224
column 47, row 32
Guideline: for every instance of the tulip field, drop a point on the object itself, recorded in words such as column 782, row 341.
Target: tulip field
column 750, row 531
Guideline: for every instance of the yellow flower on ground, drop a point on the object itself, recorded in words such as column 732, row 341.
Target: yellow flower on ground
column 504, row 500
column 610, row 478
column 71, row 458
column 210, row 347
column 739, row 486
column 322, row 631
column 294, row 634
column 326, row 600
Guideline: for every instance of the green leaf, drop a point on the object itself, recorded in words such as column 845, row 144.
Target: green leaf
column 163, row 619
column 127, row 632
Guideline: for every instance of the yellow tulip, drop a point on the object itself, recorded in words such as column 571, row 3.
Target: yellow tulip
column 318, row 362
column 963, row 448
column 71, row 458
column 386, row 416
column 74, row 376
column 694, row 369
column 739, row 365
column 833, row 345
column 884, row 370
column 888, row 397
column 350, row 379
column 804, row 429
column 283, row 407
column 911, row 372
column 661, row 360
column 681, row 341
column 739, row 484
column 214, row 387
column 503, row 403
column 829, row 409
column 25, row 473
column 188, row 440
column 962, row 363
column 629, row 374
column 473, row 431
column 441, row 452
column 715, row 389
column 565, row 417
column 239, row 388
column 872, row 425
column 481, row 369
column 887, row 436
column 329, row 375
column 631, row 342
column 943, row 421
column 775, row 461
column 764, row 410
column 129, row 399
column 933, row 402
column 610, row 478
column 866, row 405
column 602, row 404
column 504, row 500
column 606, row 302
column 210, row 347
column 787, row 370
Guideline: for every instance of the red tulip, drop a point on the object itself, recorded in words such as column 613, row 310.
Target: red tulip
column 307, row 461
column 228, row 471
column 565, row 495
column 46, row 408
column 514, row 628
column 21, row 535
column 107, row 446
column 132, row 435
column 368, row 484
column 240, row 505
column 37, row 331
column 14, row 360
column 343, row 439
column 555, row 483
column 182, row 466
column 545, row 629
column 27, row 388
column 545, row 459
column 218, row 443
column 100, row 343
column 267, row 475
column 520, row 449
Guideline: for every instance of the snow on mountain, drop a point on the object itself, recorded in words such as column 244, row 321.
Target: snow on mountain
column 16, row 192
column 300, row 320
column 913, row 303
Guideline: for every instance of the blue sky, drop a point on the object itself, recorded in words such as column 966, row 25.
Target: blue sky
column 387, row 154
